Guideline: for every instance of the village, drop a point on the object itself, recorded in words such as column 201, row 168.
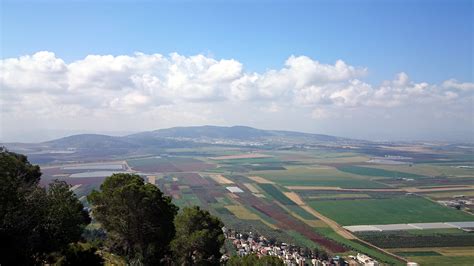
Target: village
column 246, row 243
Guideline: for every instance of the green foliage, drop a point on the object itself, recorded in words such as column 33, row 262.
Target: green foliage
column 77, row 255
column 138, row 218
column 66, row 218
column 199, row 237
column 254, row 260
column 34, row 222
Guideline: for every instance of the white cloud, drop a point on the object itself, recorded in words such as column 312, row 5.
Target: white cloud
column 43, row 86
column 454, row 84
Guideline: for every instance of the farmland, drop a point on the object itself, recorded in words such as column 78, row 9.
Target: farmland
column 387, row 211
column 305, row 196
column 419, row 239
column 367, row 171
column 318, row 176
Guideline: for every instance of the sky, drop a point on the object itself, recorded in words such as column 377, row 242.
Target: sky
column 375, row 70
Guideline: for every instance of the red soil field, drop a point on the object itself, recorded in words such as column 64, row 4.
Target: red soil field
column 288, row 222
column 193, row 179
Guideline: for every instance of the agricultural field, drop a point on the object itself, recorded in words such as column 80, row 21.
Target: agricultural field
column 158, row 164
column 306, row 196
column 318, row 176
column 438, row 256
column 419, row 238
column 368, row 171
column 407, row 209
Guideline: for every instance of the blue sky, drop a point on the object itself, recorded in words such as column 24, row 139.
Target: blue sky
column 430, row 41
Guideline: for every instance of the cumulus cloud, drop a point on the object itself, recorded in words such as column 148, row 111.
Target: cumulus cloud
column 454, row 84
column 45, row 85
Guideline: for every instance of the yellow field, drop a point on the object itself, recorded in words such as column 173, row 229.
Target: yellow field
column 241, row 212
column 221, row 179
column 258, row 195
column 251, row 187
column 294, row 197
column 261, row 180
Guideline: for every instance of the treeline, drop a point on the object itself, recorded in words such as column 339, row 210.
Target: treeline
column 137, row 222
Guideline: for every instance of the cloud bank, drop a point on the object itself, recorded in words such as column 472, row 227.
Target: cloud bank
column 148, row 91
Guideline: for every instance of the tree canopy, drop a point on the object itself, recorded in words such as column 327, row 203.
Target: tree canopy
column 199, row 237
column 138, row 218
column 254, row 260
column 34, row 221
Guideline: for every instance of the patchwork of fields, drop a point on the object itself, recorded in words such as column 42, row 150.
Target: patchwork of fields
column 304, row 197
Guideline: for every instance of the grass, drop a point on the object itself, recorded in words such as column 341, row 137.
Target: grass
column 388, row 211
column 367, row 171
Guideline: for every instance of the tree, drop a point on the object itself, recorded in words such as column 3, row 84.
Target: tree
column 254, row 260
column 77, row 255
column 34, row 222
column 138, row 218
column 199, row 237
column 65, row 218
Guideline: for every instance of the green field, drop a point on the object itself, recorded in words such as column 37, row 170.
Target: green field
column 320, row 167
column 275, row 193
column 418, row 253
column 367, row 171
column 388, row 211
column 325, row 176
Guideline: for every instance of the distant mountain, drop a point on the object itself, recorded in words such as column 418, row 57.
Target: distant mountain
column 91, row 141
column 177, row 137
column 90, row 147
column 235, row 132
column 232, row 133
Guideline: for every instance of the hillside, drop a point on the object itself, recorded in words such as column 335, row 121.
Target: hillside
column 234, row 132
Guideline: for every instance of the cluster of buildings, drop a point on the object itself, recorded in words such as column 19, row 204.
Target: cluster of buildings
column 362, row 259
column 459, row 202
column 247, row 243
